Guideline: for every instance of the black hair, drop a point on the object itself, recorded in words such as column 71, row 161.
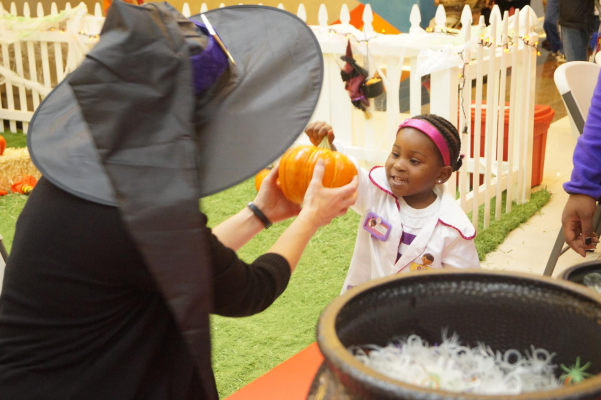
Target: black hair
column 429, row 256
column 450, row 135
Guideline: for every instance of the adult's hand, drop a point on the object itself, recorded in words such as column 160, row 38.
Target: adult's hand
column 320, row 207
column 324, row 204
column 272, row 202
column 577, row 223
column 318, row 130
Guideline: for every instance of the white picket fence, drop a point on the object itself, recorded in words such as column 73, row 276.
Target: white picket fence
column 475, row 53
column 370, row 140
column 38, row 54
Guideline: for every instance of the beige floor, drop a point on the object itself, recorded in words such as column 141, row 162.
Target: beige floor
column 527, row 248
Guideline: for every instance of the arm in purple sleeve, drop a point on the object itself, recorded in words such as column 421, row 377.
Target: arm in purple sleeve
column 586, row 175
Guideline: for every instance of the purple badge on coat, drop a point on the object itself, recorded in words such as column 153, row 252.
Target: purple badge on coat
column 377, row 226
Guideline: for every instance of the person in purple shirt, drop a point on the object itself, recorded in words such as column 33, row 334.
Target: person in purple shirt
column 584, row 186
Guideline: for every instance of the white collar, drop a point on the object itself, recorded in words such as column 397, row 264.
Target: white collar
column 449, row 213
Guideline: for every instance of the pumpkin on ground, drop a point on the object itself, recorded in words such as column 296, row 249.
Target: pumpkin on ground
column 2, row 145
column 24, row 186
column 297, row 164
column 260, row 176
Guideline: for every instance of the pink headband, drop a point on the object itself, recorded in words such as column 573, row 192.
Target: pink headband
column 432, row 133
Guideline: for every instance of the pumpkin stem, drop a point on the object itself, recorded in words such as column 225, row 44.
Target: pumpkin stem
column 325, row 143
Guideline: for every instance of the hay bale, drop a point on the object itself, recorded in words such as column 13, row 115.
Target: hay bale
column 16, row 164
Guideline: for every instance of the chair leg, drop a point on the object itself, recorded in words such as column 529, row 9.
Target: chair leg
column 597, row 220
column 555, row 253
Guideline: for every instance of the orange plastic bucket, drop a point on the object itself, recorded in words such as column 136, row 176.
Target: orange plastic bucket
column 543, row 115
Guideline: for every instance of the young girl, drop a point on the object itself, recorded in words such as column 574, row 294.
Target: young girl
column 410, row 221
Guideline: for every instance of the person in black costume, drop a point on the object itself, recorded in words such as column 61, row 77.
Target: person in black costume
column 113, row 271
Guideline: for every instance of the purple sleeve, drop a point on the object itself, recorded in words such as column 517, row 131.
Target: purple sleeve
column 586, row 175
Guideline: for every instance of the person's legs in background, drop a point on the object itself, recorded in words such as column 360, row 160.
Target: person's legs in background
column 575, row 43
column 550, row 25
column 595, row 34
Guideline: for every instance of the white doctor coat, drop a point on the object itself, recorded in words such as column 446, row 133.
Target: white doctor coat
column 447, row 236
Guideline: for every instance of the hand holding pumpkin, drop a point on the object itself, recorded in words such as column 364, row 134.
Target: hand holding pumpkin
column 318, row 130
column 272, row 201
column 323, row 204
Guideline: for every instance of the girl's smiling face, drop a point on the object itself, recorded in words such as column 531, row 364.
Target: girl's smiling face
column 414, row 167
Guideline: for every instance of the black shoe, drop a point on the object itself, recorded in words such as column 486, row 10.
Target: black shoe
column 545, row 45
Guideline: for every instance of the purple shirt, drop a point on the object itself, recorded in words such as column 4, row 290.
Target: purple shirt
column 406, row 238
column 586, row 175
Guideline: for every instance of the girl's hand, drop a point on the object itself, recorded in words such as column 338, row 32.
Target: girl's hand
column 577, row 222
column 321, row 204
column 271, row 200
column 318, row 130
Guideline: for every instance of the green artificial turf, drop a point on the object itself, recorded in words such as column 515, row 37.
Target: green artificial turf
column 15, row 139
column 488, row 240
column 10, row 208
column 246, row 348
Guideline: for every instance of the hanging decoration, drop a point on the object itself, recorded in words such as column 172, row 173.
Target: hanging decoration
column 354, row 77
column 360, row 88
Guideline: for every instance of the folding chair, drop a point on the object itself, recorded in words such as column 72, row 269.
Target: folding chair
column 576, row 83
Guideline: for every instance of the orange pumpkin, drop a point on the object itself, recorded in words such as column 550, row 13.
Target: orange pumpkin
column 296, row 170
column 260, row 176
column 2, row 145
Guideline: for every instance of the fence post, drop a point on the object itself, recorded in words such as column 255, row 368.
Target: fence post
column 339, row 108
column 465, row 104
column 490, row 111
column 501, row 128
column 19, row 64
column 368, row 18
column 496, row 36
column 203, row 8
column 478, row 126
column 440, row 18
column 530, row 56
column 281, row 6
column 186, row 10
column 322, row 17
column 415, row 18
column 33, row 72
column 58, row 52
column 301, row 13
column 512, row 113
column 345, row 16
column 9, row 87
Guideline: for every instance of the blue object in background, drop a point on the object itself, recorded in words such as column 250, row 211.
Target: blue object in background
column 397, row 12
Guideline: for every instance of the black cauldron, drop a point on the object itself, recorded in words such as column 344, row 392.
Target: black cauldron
column 577, row 273
column 502, row 310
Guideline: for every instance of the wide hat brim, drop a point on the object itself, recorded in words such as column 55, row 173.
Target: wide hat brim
column 275, row 89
